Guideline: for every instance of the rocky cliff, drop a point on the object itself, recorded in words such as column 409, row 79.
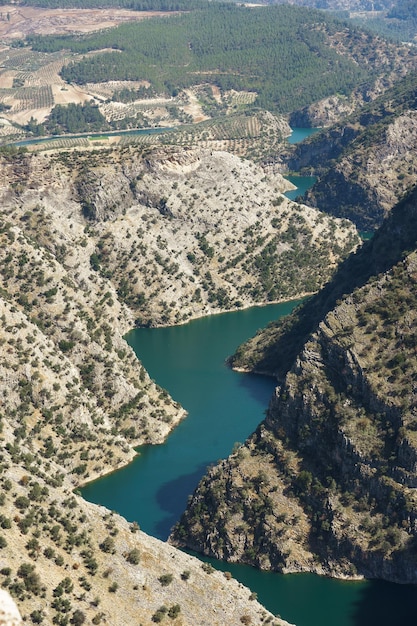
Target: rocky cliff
column 365, row 163
column 327, row 482
column 177, row 232
column 91, row 242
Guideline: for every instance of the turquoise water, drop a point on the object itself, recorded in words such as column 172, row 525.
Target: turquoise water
column 298, row 134
column 225, row 407
column 365, row 235
column 302, row 183
column 309, row 600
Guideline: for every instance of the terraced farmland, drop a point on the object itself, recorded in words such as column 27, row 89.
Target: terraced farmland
column 33, row 98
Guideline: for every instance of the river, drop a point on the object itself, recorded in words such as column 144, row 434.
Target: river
column 302, row 183
column 224, row 407
column 298, row 134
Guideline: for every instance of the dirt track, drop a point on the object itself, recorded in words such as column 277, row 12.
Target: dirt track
column 16, row 22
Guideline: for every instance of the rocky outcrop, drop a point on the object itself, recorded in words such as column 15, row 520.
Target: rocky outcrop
column 365, row 183
column 366, row 162
column 76, row 400
column 313, row 154
column 273, row 350
column 176, row 233
column 9, row 613
column 326, row 484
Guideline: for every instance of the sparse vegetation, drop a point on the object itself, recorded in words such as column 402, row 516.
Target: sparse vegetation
column 329, row 456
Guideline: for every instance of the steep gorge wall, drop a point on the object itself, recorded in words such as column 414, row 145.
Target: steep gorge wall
column 326, row 484
column 75, row 399
column 366, row 161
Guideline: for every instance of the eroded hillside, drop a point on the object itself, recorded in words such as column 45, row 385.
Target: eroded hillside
column 327, row 482
column 365, row 163
column 175, row 233
column 92, row 242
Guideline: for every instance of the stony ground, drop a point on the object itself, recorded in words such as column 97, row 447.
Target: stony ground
column 91, row 243
column 17, row 22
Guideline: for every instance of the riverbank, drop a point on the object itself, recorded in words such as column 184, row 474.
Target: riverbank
column 34, row 143
column 188, row 360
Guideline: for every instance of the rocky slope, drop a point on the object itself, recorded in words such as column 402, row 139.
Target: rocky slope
column 67, row 561
column 90, row 242
column 389, row 68
column 327, row 482
column 366, row 163
column 178, row 232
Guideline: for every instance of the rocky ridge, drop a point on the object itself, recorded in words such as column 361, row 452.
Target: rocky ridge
column 327, row 482
column 372, row 177
column 183, row 233
column 366, row 162
column 90, row 241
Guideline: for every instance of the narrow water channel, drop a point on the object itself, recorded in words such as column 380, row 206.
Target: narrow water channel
column 302, row 183
column 298, row 134
column 225, row 407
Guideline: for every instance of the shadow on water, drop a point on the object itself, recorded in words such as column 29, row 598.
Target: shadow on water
column 385, row 604
column 259, row 387
column 154, row 488
column 172, row 498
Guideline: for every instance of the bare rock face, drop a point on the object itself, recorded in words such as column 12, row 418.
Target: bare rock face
column 366, row 162
column 9, row 613
column 75, row 399
column 175, row 233
column 366, row 182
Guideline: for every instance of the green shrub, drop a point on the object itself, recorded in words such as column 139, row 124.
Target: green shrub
column 108, row 545
column 133, row 556
column 166, row 579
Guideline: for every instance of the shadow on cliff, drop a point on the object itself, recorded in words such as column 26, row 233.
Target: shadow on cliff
column 172, row 498
column 385, row 604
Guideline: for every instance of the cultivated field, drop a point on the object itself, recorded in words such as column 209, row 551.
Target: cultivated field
column 17, row 22
column 30, row 86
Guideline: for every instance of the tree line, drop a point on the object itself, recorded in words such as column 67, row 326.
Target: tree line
column 282, row 53
column 72, row 118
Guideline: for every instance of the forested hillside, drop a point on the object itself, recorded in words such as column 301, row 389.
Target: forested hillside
column 288, row 56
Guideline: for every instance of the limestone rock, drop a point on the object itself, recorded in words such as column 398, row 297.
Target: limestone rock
column 9, row 613
column 327, row 482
